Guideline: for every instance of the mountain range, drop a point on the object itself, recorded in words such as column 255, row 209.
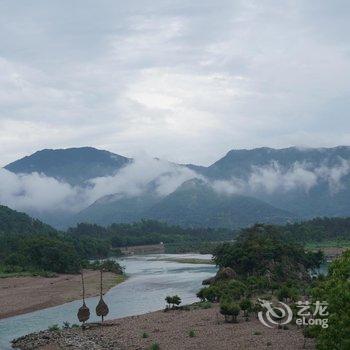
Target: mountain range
column 242, row 188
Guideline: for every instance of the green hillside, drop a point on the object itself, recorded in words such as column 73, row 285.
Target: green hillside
column 14, row 222
column 28, row 245
column 196, row 204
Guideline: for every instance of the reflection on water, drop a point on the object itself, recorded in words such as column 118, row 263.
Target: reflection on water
column 149, row 282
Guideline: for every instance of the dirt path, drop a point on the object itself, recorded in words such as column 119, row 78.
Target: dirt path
column 19, row 295
column 171, row 330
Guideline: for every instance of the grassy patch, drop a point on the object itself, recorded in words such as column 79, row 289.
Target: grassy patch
column 191, row 333
column 119, row 279
column 155, row 346
column 54, row 328
column 328, row 244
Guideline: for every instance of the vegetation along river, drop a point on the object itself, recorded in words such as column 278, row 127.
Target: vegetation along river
column 150, row 280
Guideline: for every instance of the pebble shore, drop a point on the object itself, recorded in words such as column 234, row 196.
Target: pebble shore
column 198, row 329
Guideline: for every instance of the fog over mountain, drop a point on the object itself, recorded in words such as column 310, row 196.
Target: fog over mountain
column 64, row 187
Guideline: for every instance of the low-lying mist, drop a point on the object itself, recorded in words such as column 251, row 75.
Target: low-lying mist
column 39, row 193
column 42, row 193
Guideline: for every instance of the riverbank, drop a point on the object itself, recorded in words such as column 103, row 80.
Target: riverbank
column 20, row 295
column 142, row 249
column 195, row 329
column 187, row 260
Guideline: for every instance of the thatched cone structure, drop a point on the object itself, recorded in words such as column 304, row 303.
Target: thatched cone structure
column 83, row 312
column 102, row 308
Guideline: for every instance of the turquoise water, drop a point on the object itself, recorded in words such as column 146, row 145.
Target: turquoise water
column 149, row 282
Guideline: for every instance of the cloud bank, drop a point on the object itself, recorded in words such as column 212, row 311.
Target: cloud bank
column 39, row 193
column 276, row 179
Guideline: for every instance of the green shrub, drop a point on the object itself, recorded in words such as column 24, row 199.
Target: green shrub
column 211, row 293
column 54, row 328
column 246, row 306
column 200, row 294
column 155, row 346
column 172, row 301
column 235, row 290
column 145, row 335
column 230, row 311
column 205, row 305
column 106, row 265
column 286, row 293
column 335, row 289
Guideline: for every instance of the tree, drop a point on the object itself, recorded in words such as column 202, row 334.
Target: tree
column 169, row 301
column 246, row 307
column 172, row 301
column 335, row 289
column 262, row 250
column 176, row 300
column 286, row 293
column 201, row 294
column 230, row 310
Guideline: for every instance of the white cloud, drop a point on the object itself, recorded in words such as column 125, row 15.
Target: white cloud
column 39, row 193
column 334, row 175
column 135, row 179
column 274, row 178
column 185, row 81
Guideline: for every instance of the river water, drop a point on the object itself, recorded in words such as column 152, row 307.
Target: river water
column 149, row 281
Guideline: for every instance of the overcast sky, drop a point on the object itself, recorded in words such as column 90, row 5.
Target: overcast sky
column 182, row 80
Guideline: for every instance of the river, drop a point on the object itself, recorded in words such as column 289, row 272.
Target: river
column 150, row 280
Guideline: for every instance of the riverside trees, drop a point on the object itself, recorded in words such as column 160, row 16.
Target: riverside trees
column 173, row 301
column 263, row 262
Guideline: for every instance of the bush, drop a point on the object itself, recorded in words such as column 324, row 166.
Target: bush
column 54, row 328
column 107, row 265
column 246, row 306
column 155, row 346
column 230, row 311
column 145, row 335
column 205, row 305
column 286, row 293
column 257, row 308
column 235, row 290
column 201, row 295
column 173, row 301
column 335, row 289
column 191, row 333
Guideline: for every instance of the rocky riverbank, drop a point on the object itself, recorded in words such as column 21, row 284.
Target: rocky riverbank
column 197, row 329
